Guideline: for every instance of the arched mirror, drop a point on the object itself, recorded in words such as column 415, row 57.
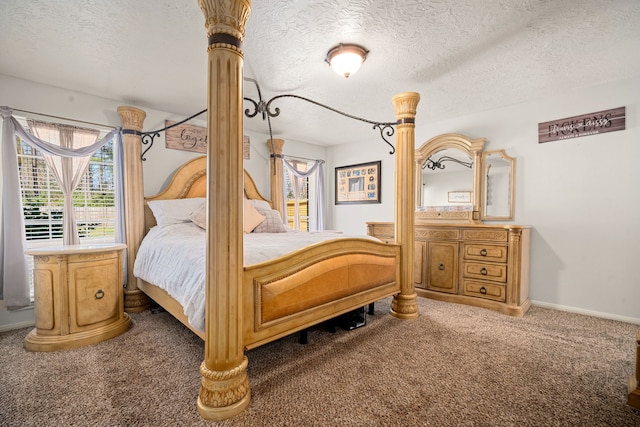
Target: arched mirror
column 447, row 178
column 457, row 182
column 498, row 179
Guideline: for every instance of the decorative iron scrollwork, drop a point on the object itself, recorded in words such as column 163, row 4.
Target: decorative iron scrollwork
column 439, row 164
column 387, row 127
column 263, row 108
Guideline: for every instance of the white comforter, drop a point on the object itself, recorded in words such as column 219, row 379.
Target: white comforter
column 173, row 258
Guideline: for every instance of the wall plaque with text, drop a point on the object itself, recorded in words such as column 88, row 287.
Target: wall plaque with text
column 584, row 125
column 194, row 138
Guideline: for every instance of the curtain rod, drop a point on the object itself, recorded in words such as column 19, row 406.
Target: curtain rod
column 284, row 156
column 64, row 118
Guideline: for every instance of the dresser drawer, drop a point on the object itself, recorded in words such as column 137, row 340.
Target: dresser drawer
column 490, row 235
column 493, row 253
column 492, row 291
column 485, row 271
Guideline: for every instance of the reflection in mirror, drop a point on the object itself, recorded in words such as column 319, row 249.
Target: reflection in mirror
column 447, row 178
column 498, row 185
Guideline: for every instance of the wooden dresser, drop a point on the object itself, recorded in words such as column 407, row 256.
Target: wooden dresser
column 476, row 264
column 78, row 296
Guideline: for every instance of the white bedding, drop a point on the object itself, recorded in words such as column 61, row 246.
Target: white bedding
column 173, row 258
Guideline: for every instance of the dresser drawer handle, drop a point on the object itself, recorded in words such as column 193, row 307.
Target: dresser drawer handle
column 100, row 294
column 483, row 290
column 483, row 271
column 483, row 252
column 441, row 267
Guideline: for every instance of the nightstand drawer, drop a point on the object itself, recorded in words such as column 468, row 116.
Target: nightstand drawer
column 492, row 291
column 485, row 271
column 479, row 252
column 93, row 292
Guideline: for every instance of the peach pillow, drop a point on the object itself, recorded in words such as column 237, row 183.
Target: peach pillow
column 252, row 218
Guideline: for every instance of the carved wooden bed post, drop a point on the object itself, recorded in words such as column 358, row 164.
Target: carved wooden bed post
column 132, row 118
column 224, row 390
column 277, row 196
column 405, row 304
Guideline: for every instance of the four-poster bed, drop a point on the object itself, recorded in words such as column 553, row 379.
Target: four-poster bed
column 281, row 295
column 246, row 306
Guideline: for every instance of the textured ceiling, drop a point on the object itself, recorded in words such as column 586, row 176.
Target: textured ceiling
column 462, row 56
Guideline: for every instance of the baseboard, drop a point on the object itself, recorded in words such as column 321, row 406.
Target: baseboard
column 20, row 325
column 600, row 314
column 16, row 319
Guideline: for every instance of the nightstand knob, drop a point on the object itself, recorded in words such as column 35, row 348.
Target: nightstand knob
column 441, row 267
column 483, row 252
column 483, row 271
column 100, row 294
column 483, row 290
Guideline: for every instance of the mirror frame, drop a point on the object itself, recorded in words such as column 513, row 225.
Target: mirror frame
column 473, row 148
column 512, row 191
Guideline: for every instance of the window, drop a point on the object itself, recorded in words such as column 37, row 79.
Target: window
column 42, row 199
column 301, row 202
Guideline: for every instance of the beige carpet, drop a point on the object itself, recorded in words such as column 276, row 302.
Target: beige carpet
column 453, row 366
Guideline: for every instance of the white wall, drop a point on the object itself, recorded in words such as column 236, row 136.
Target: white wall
column 352, row 218
column 580, row 195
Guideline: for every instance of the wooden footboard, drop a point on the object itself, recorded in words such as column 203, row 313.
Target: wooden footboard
column 318, row 283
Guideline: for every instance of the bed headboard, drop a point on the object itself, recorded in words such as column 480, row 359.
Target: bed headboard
column 190, row 181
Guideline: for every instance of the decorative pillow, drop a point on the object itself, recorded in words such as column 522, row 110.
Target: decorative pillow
column 174, row 211
column 261, row 205
column 252, row 218
column 273, row 222
column 199, row 216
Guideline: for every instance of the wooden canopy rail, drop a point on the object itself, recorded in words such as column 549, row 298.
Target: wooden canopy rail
column 231, row 327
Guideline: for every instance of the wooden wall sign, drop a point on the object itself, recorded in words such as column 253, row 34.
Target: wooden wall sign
column 194, row 138
column 186, row 137
column 584, row 125
column 246, row 148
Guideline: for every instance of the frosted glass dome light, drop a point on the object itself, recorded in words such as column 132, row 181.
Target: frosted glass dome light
column 346, row 59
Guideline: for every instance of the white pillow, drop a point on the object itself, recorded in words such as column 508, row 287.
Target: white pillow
column 199, row 216
column 174, row 211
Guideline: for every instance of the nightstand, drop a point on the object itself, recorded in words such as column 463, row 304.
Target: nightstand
column 78, row 296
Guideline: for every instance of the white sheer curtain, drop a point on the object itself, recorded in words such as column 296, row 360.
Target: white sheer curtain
column 66, row 170
column 296, row 178
column 14, row 288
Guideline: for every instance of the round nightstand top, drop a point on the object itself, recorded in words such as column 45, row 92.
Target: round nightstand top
column 75, row 249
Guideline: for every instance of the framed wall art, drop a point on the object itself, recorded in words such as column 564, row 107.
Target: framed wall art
column 358, row 183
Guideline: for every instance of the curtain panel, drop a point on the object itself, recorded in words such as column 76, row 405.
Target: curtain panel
column 316, row 168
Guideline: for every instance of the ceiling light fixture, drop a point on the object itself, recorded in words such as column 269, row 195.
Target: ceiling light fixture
column 346, row 59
